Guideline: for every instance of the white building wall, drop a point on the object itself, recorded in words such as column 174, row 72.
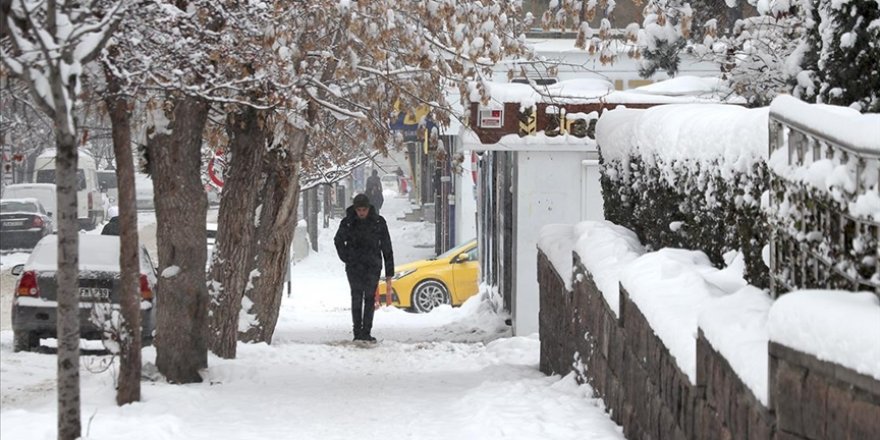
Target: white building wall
column 465, row 202
column 548, row 192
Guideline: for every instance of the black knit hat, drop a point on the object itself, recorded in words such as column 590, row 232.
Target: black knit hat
column 361, row 201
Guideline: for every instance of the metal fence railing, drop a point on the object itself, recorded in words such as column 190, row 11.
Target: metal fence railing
column 816, row 241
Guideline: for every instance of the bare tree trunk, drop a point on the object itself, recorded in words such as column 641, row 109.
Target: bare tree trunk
column 181, row 210
column 66, row 158
column 129, row 389
column 327, row 206
column 67, row 276
column 233, row 250
column 312, row 220
column 275, row 234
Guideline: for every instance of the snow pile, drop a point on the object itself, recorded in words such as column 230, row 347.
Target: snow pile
column 595, row 91
column 731, row 136
column 605, row 249
column 686, row 85
column 556, row 241
column 736, row 326
column 615, row 134
column 835, row 326
column 480, row 318
column 671, row 287
column 539, row 141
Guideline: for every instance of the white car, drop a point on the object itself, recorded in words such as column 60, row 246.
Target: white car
column 35, row 302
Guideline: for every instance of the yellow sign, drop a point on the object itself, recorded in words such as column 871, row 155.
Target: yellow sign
column 528, row 122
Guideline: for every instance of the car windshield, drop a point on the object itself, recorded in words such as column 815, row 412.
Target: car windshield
column 18, row 207
column 454, row 251
column 48, row 176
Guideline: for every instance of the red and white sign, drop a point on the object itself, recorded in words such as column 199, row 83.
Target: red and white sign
column 216, row 168
column 491, row 118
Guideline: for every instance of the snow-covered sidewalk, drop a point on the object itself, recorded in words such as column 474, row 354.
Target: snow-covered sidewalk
column 453, row 373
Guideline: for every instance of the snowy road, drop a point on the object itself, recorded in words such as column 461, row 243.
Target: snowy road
column 450, row 374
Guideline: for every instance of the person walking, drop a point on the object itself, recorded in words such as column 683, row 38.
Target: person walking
column 363, row 244
column 374, row 191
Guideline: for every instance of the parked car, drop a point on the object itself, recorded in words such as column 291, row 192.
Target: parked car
column 34, row 304
column 23, row 222
column 44, row 192
column 449, row 278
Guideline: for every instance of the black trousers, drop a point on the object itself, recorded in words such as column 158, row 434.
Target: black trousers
column 363, row 301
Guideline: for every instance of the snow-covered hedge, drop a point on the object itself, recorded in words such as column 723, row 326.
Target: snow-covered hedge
column 689, row 176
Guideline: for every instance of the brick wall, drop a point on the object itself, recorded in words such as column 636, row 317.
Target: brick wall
column 814, row 399
column 644, row 391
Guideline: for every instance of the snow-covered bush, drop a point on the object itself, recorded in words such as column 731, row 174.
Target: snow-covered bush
column 689, row 176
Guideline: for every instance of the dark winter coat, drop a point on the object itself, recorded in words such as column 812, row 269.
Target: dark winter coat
column 112, row 227
column 374, row 191
column 363, row 244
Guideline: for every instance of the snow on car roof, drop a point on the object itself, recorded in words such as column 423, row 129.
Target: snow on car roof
column 31, row 185
column 20, row 200
column 98, row 253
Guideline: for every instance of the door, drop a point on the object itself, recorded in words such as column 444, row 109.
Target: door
column 465, row 276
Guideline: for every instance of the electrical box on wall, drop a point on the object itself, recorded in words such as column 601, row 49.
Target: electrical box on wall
column 491, row 118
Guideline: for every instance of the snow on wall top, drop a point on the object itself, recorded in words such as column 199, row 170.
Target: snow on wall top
column 841, row 124
column 538, row 141
column 671, row 288
column 835, row 326
column 604, row 249
column 555, row 241
column 686, row 85
column 735, row 135
column 592, row 90
column 736, row 326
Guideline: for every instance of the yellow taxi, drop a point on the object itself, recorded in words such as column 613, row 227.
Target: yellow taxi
column 449, row 278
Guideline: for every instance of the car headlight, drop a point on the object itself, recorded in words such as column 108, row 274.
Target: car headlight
column 401, row 274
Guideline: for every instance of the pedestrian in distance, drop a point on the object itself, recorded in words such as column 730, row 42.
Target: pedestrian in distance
column 401, row 183
column 374, row 191
column 112, row 226
column 364, row 244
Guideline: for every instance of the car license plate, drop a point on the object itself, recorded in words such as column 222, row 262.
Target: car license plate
column 94, row 293
column 12, row 223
